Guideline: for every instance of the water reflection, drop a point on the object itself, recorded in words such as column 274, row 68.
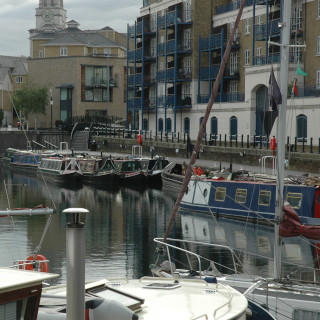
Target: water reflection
column 120, row 229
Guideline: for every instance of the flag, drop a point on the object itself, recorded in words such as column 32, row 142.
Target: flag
column 274, row 93
column 295, row 88
column 299, row 71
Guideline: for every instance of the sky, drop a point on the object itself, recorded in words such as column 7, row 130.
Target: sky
column 18, row 16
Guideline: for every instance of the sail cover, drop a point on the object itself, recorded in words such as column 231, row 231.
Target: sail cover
column 291, row 226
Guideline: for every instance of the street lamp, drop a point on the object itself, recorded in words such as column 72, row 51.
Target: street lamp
column 51, row 104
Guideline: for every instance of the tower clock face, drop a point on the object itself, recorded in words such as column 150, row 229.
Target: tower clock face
column 47, row 15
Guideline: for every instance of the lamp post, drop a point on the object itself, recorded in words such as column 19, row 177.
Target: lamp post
column 51, row 104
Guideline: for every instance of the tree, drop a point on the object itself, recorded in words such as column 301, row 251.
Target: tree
column 29, row 99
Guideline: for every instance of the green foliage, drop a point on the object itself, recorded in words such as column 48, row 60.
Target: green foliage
column 1, row 116
column 30, row 99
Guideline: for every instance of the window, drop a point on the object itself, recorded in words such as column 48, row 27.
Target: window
column 220, row 194
column 19, row 79
column 145, row 124
column 187, row 39
column 296, row 18
column 187, row 66
column 214, row 126
column 234, row 62
column 247, row 57
column 247, row 30
column 186, row 125
column 160, row 125
column 294, row 199
column 63, row 52
column 306, row 314
column 107, row 51
column 301, row 127
column 318, row 78
column 233, row 91
column 318, row 8
column 264, row 198
column 153, row 47
column 318, row 45
column 94, row 51
column 259, row 23
column 241, row 196
column 200, row 122
column 233, row 127
column 169, row 122
column 40, row 54
column 259, row 59
column 154, row 22
column 187, row 10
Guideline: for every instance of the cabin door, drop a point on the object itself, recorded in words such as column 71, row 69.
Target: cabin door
column 261, row 108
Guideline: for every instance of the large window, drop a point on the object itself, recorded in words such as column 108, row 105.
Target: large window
column 97, row 84
column 214, row 126
column 169, row 125
column 233, row 127
column 247, row 57
column 301, row 127
column 247, row 31
column 186, row 125
column 145, row 124
column 160, row 125
column 234, row 58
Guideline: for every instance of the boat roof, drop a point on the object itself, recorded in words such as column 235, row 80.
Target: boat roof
column 13, row 279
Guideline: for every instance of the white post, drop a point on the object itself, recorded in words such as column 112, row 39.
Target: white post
column 285, row 41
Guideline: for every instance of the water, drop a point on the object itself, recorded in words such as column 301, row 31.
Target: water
column 120, row 229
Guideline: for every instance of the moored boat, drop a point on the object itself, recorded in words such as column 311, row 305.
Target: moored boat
column 98, row 171
column 60, row 169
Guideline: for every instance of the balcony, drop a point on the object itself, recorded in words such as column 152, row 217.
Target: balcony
column 134, row 103
column 135, row 80
column 204, row 72
column 213, row 42
column 235, row 5
column 262, row 30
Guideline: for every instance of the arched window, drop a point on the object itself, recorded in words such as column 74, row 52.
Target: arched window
column 214, row 126
column 160, row 125
column 302, row 127
column 233, row 127
column 169, row 129
column 200, row 122
column 187, row 125
column 145, row 124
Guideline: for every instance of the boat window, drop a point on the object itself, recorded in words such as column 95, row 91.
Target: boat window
column 241, row 196
column 305, row 314
column 264, row 198
column 294, row 199
column 63, row 165
column 205, row 192
column 220, row 194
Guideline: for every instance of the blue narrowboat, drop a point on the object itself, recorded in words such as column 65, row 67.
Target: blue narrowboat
column 250, row 199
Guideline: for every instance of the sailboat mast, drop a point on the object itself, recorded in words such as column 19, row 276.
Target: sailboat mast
column 284, row 67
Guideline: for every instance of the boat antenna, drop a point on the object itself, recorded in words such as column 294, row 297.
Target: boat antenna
column 214, row 93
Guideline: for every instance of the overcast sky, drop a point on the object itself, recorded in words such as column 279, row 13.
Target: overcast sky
column 18, row 16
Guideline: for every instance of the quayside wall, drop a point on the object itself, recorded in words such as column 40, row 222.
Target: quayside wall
column 246, row 155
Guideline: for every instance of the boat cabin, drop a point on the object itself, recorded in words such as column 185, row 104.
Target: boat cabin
column 20, row 293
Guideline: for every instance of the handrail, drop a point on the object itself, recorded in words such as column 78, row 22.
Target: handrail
column 167, row 244
column 39, row 144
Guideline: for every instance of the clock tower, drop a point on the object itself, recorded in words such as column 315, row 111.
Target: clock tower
column 50, row 15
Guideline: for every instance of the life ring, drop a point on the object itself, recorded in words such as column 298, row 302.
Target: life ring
column 43, row 266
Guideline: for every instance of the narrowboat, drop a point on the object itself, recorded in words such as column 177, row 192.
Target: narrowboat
column 60, row 169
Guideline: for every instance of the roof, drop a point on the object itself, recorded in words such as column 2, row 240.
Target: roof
column 16, row 65
column 13, row 279
column 74, row 36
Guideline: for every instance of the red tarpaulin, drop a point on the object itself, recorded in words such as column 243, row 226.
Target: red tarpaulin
column 291, row 226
